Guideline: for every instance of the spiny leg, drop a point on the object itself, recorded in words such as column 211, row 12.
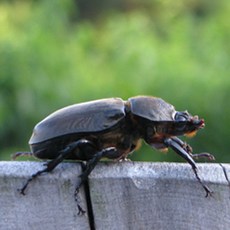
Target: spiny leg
column 87, row 169
column 53, row 163
column 22, row 190
column 188, row 149
column 181, row 151
column 225, row 174
column 110, row 152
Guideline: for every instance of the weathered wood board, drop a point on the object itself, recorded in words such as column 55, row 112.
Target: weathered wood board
column 152, row 196
column 49, row 201
column 124, row 195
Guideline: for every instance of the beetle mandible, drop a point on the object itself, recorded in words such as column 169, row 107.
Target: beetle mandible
column 112, row 128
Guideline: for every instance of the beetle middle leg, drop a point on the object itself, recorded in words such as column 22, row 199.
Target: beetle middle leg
column 169, row 142
column 110, row 152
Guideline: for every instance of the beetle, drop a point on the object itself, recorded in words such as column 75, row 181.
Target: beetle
column 112, row 128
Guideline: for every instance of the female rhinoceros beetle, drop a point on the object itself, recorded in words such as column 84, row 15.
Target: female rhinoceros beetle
column 112, row 128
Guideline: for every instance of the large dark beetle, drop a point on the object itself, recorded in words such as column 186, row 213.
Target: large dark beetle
column 112, row 128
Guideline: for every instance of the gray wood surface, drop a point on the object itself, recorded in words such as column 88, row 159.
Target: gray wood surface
column 159, row 196
column 49, row 201
column 124, row 195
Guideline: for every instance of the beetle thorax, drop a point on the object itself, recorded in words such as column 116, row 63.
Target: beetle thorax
column 157, row 132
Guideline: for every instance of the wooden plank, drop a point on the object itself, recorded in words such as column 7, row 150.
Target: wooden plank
column 49, row 201
column 131, row 195
column 126, row 195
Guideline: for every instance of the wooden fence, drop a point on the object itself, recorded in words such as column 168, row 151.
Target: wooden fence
column 125, row 195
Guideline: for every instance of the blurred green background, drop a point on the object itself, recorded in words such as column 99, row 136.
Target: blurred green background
column 56, row 53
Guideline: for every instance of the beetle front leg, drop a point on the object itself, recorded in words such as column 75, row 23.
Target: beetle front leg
column 181, row 151
column 188, row 149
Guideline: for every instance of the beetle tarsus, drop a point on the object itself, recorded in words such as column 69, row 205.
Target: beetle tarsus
column 225, row 174
column 22, row 190
column 81, row 211
column 206, row 188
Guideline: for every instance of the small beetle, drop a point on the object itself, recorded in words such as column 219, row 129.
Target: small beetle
column 112, row 128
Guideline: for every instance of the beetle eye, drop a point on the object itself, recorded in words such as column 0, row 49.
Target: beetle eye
column 181, row 116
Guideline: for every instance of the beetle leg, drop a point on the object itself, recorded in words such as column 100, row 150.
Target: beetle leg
column 110, row 152
column 53, row 163
column 184, row 145
column 203, row 155
column 188, row 149
column 63, row 154
column 19, row 154
column 181, row 151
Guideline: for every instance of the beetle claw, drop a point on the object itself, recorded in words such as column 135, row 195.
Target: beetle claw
column 81, row 211
column 209, row 193
column 21, row 191
column 124, row 159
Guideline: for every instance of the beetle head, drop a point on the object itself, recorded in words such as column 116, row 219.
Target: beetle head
column 186, row 124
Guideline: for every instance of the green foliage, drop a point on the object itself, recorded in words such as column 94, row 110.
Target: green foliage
column 179, row 51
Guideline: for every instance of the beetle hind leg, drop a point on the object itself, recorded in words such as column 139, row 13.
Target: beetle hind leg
column 49, row 167
column 53, row 163
column 22, row 190
column 20, row 154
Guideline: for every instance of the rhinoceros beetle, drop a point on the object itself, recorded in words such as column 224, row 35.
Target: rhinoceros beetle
column 112, row 128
